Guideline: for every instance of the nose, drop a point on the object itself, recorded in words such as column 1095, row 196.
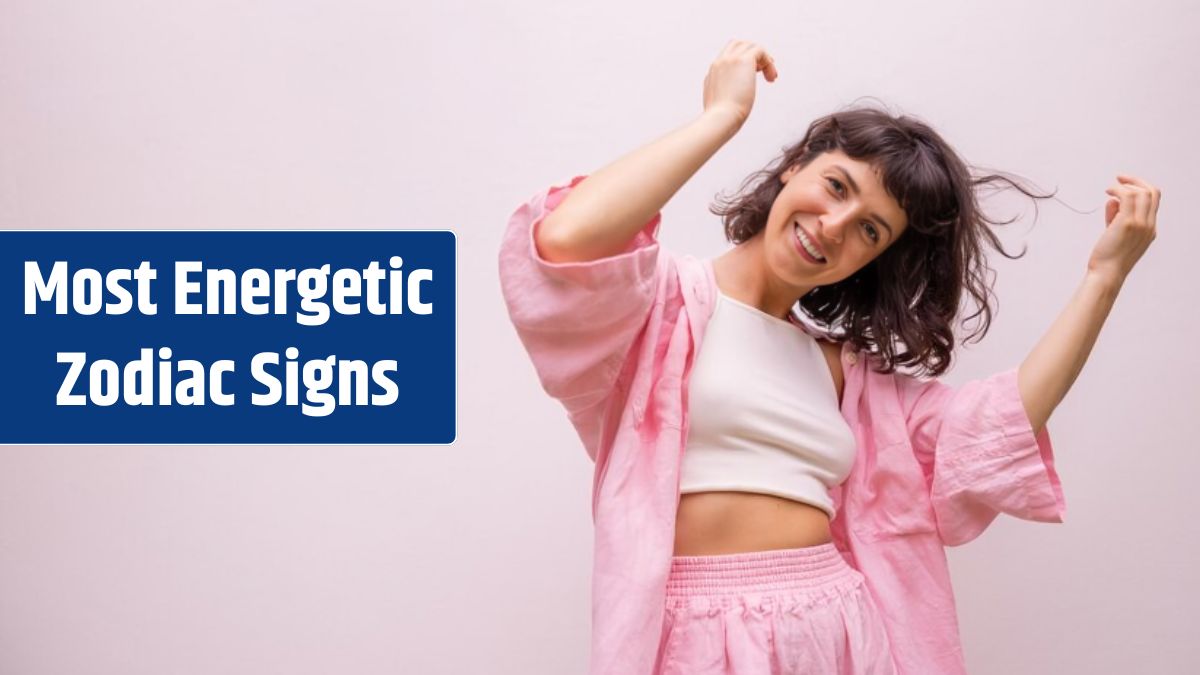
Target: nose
column 833, row 225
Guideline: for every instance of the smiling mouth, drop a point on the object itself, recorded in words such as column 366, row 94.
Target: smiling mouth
column 805, row 243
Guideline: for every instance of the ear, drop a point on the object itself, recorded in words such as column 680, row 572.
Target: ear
column 788, row 173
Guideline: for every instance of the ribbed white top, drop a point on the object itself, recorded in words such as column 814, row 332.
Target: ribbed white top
column 763, row 411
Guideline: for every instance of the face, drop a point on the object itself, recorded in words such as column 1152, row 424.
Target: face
column 845, row 214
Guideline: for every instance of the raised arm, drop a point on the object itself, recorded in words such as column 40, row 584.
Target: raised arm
column 605, row 211
column 1048, row 372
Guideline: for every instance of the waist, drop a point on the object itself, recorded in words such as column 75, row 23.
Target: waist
column 810, row 569
column 716, row 523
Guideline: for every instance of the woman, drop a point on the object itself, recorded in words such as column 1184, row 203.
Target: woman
column 742, row 524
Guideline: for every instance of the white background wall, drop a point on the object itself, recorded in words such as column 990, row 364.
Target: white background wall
column 475, row 557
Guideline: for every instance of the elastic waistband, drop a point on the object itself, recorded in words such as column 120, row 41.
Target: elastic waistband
column 812, row 567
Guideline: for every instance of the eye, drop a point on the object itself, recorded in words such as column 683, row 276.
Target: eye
column 871, row 231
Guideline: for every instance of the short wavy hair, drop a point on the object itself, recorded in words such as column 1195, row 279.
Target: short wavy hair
column 901, row 306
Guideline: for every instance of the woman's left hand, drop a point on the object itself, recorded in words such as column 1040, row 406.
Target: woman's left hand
column 1130, row 217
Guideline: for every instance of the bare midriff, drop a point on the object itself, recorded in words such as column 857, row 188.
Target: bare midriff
column 720, row 523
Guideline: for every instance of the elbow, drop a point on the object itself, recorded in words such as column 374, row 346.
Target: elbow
column 553, row 244
column 557, row 243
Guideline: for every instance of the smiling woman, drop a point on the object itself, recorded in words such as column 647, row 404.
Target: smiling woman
column 764, row 520
column 893, row 211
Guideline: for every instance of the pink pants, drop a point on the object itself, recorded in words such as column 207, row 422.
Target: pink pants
column 798, row 610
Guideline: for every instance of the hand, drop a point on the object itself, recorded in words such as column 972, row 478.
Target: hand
column 1130, row 218
column 730, row 82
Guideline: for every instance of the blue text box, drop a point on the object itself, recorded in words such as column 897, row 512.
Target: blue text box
column 329, row 358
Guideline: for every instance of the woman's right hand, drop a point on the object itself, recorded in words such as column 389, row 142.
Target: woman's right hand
column 730, row 82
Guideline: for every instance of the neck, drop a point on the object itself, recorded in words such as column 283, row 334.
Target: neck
column 743, row 274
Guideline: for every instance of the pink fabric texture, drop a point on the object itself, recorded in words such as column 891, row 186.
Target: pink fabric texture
column 614, row 340
column 799, row 610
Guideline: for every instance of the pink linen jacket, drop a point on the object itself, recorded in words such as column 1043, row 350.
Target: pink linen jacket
column 614, row 340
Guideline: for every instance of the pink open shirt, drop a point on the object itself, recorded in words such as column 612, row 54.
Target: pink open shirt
column 614, row 340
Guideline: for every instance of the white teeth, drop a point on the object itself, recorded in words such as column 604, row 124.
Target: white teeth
column 808, row 245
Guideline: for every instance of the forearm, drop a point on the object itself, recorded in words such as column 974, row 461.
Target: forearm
column 604, row 212
column 1048, row 372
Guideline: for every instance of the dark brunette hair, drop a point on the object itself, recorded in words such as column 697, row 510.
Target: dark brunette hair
column 910, row 294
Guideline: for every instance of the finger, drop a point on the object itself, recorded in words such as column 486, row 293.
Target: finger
column 1119, row 192
column 1128, row 204
column 1143, row 194
column 764, row 62
column 1110, row 211
column 1126, row 178
column 1124, row 195
column 771, row 69
column 1154, row 193
column 1141, row 207
column 768, row 67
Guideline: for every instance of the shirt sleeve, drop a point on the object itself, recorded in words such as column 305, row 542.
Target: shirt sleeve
column 980, row 455
column 577, row 320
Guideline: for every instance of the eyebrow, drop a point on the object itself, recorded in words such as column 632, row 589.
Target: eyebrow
column 854, row 187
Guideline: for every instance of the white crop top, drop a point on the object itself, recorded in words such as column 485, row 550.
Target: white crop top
column 763, row 411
